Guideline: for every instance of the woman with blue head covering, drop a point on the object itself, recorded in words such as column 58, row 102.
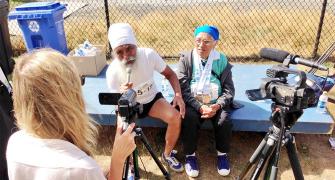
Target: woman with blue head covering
column 205, row 78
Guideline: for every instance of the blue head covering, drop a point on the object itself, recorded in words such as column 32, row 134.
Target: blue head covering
column 211, row 30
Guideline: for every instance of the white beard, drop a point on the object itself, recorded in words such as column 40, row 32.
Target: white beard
column 121, row 70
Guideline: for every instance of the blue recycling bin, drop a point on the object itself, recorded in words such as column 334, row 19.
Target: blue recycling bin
column 42, row 25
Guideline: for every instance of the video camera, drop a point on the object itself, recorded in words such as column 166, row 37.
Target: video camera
column 296, row 95
column 128, row 108
column 286, row 87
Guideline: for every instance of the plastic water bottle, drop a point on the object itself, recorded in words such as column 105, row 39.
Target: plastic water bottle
column 165, row 87
column 322, row 103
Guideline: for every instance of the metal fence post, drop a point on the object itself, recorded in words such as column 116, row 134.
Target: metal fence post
column 108, row 54
column 318, row 35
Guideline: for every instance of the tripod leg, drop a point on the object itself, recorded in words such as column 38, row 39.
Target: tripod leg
column 268, row 150
column 144, row 139
column 275, row 157
column 253, row 158
column 126, row 169
column 135, row 164
column 293, row 157
column 270, row 168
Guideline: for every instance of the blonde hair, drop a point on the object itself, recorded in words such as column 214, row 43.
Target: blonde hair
column 48, row 100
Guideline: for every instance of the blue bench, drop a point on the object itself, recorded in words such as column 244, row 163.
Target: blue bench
column 254, row 116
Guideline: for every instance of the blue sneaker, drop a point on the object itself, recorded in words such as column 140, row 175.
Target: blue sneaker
column 172, row 161
column 191, row 166
column 223, row 165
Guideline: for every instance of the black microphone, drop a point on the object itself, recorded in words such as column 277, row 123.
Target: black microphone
column 308, row 63
column 280, row 56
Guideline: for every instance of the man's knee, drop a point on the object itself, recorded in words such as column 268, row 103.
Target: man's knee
column 173, row 118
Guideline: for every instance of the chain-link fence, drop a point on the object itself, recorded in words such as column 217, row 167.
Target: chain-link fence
column 300, row 27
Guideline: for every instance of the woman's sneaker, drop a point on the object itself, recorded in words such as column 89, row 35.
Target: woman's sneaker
column 223, row 165
column 172, row 161
column 191, row 166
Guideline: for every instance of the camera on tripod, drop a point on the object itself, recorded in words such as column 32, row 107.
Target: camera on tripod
column 296, row 96
column 290, row 93
column 294, row 93
column 128, row 108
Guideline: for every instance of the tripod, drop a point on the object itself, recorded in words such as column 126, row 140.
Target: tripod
column 128, row 110
column 143, row 138
column 268, row 150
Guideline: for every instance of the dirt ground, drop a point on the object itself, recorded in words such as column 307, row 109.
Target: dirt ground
column 316, row 157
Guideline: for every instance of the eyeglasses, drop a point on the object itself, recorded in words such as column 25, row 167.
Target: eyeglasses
column 205, row 42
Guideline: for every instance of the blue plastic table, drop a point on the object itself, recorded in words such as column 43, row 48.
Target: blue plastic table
column 254, row 116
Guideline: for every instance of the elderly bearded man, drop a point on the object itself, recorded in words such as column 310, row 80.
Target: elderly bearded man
column 143, row 62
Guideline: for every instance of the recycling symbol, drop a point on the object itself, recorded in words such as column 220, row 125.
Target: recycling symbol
column 34, row 26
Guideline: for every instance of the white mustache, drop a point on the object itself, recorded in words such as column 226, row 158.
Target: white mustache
column 131, row 59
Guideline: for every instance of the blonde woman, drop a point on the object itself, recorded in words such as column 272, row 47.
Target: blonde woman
column 56, row 135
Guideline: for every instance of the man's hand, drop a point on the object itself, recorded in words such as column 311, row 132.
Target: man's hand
column 178, row 101
column 124, row 87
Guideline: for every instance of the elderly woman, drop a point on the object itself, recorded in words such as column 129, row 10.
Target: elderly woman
column 56, row 135
column 207, row 88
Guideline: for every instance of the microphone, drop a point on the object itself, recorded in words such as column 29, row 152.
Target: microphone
column 128, row 70
column 129, row 67
column 125, row 123
column 280, row 55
